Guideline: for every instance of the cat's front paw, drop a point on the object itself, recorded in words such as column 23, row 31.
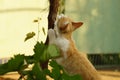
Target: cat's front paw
column 50, row 31
column 51, row 35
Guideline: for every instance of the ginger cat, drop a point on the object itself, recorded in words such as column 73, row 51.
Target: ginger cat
column 71, row 59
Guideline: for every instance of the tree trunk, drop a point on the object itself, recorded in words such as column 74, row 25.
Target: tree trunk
column 53, row 10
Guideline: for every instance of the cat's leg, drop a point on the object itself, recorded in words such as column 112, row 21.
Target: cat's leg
column 51, row 36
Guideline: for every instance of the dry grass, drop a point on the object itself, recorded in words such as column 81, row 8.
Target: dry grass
column 106, row 75
column 10, row 76
column 110, row 75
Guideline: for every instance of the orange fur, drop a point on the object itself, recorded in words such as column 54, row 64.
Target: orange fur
column 75, row 62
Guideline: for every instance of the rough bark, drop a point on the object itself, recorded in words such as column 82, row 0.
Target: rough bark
column 53, row 10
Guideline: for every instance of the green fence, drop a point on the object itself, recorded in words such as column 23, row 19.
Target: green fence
column 105, row 61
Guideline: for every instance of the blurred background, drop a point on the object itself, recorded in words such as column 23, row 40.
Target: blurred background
column 16, row 20
column 98, row 37
column 100, row 32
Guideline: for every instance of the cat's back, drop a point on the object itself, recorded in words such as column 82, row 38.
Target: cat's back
column 79, row 64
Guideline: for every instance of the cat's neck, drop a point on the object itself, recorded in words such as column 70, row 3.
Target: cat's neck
column 72, row 48
column 68, row 36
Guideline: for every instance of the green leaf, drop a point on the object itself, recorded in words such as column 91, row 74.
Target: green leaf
column 35, row 20
column 29, row 59
column 69, row 77
column 45, row 52
column 53, row 51
column 29, row 35
column 39, row 49
column 30, row 77
column 4, row 69
column 14, row 64
column 56, row 74
column 38, row 73
column 43, row 29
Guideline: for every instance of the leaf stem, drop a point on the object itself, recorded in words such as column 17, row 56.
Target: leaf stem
column 38, row 30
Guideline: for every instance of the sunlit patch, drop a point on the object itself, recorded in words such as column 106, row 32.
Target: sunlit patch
column 94, row 12
column 16, row 20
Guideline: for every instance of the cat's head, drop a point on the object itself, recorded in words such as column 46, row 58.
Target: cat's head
column 64, row 25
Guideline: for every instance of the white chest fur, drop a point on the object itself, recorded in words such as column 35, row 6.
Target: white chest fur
column 60, row 42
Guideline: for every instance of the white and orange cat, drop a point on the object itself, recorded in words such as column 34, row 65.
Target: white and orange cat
column 71, row 59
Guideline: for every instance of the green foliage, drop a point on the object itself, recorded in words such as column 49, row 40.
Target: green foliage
column 20, row 63
column 14, row 64
column 45, row 52
column 29, row 35
column 37, row 72
column 43, row 29
column 58, row 73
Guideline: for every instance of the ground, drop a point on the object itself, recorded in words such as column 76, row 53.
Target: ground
column 106, row 75
column 110, row 75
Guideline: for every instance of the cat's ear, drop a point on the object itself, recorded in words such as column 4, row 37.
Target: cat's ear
column 77, row 25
